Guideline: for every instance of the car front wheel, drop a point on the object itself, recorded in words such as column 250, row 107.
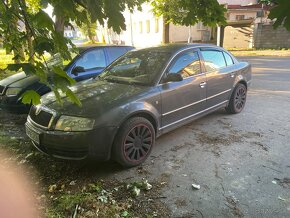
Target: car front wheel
column 134, row 142
column 238, row 99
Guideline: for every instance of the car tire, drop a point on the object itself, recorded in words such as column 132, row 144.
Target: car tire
column 134, row 142
column 238, row 99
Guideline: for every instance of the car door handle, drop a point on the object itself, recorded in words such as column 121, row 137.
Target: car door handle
column 202, row 85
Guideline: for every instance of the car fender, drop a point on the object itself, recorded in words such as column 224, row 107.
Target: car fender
column 144, row 108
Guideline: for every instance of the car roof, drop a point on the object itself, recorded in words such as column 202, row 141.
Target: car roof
column 84, row 48
column 176, row 47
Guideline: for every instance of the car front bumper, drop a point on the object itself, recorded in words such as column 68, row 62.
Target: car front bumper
column 12, row 105
column 95, row 144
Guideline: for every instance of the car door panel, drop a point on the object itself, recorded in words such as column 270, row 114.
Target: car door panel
column 219, row 77
column 184, row 98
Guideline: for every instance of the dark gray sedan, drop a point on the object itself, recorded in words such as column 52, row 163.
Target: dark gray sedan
column 139, row 97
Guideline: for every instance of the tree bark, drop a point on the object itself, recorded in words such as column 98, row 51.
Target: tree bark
column 165, row 31
column 59, row 24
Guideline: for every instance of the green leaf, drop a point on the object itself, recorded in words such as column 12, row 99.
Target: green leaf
column 30, row 97
column 42, row 20
column 57, row 95
column 60, row 72
column 73, row 97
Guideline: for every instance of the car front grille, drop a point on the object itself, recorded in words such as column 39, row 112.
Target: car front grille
column 2, row 89
column 40, row 116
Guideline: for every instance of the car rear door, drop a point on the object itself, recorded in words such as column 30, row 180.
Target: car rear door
column 220, row 77
column 182, row 100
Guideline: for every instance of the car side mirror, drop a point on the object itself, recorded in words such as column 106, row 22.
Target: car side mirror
column 173, row 77
column 78, row 69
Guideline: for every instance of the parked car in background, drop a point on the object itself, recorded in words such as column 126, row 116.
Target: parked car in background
column 90, row 62
column 139, row 97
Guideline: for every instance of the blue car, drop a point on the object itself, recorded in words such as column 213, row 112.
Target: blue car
column 89, row 62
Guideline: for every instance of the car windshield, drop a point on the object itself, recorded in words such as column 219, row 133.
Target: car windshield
column 137, row 67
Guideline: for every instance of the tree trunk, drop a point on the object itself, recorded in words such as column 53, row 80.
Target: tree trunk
column 165, row 31
column 30, row 46
column 59, row 24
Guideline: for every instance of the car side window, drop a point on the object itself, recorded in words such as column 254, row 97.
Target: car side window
column 92, row 59
column 213, row 60
column 229, row 59
column 116, row 52
column 187, row 64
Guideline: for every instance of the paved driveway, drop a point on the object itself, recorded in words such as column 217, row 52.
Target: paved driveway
column 242, row 162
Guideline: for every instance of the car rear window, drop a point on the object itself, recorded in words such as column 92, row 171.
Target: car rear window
column 213, row 60
column 229, row 59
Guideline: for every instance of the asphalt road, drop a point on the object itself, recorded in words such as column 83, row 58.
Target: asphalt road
column 240, row 161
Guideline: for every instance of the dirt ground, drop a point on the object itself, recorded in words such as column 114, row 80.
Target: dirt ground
column 240, row 161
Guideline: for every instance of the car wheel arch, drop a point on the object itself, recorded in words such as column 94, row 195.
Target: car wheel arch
column 242, row 82
column 145, row 114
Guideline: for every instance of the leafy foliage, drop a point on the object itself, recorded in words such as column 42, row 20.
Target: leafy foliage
column 31, row 97
column 27, row 31
column 280, row 12
column 189, row 12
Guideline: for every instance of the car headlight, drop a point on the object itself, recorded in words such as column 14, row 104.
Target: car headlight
column 74, row 124
column 13, row 91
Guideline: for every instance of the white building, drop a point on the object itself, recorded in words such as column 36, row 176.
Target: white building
column 145, row 29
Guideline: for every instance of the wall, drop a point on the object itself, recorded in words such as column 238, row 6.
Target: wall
column 142, row 38
column 267, row 37
column 248, row 14
column 181, row 33
column 238, row 37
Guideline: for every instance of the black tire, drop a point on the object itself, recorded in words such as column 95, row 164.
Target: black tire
column 238, row 99
column 134, row 142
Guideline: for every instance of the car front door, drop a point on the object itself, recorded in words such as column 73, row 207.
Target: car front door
column 93, row 63
column 183, row 99
column 219, row 78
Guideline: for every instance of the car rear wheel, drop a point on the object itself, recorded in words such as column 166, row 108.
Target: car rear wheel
column 134, row 142
column 238, row 99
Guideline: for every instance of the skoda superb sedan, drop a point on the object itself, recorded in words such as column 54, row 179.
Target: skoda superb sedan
column 139, row 97
column 90, row 62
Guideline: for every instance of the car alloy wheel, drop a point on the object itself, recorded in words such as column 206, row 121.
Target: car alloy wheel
column 134, row 142
column 240, row 98
column 137, row 143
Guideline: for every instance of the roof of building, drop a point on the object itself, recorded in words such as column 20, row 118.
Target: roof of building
column 249, row 7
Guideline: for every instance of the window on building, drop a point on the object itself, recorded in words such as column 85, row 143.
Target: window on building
column 240, row 17
column 187, row 64
column 213, row 60
column 140, row 27
column 134, row 26
column 260, row 13
column 148, row 26
column 156, row 25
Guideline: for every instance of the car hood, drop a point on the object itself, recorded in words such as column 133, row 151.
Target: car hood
column 97, row 98
column 19, row 80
